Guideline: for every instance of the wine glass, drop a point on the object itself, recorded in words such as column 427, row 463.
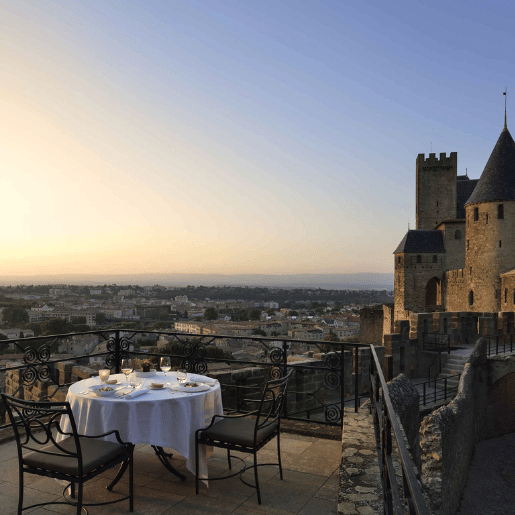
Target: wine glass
column 166, row 365
column 126, row 368
column 181, row 375
column 104, row 374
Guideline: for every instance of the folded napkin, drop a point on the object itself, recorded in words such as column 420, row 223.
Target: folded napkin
column 135, row 393
column 202, row 379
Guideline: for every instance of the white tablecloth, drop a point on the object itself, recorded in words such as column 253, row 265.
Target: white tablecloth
column 158, row 417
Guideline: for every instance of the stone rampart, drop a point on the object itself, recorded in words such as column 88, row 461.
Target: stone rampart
column 449, row 434
column 405, row 400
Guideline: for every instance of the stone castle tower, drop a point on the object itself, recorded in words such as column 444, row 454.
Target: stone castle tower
column 461, row 256
column 436, row 189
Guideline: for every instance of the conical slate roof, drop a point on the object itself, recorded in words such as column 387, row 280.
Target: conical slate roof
column 497, row 182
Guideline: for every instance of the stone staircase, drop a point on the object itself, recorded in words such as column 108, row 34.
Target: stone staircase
column 452, row 370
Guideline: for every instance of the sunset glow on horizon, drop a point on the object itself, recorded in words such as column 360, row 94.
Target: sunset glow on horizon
column 229, row 137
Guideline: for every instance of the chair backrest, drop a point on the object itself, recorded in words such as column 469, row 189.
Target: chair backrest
column 35, row 425
column 272, row 401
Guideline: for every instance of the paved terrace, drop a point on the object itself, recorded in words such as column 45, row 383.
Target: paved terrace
column 311, row 479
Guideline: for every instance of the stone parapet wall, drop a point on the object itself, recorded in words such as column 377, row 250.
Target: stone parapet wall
column 449, row 434
column 405, row 401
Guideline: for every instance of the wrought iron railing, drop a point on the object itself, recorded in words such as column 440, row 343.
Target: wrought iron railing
column 500, row 344
column 318, row 392
column 407, row 498
column 437, row 390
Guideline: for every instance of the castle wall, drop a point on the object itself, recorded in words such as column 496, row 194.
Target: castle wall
column 508, row 293
column 456, row 287
column 436, row 189
column 371, row 325
column 491, row 252
column 411, row 279
column 454, row 241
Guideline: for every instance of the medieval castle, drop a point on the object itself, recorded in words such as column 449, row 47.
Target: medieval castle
column 455, row 273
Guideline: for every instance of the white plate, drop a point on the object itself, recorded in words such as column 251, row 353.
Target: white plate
column 200, row 388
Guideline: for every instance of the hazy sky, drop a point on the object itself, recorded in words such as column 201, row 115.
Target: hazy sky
column 236, row 136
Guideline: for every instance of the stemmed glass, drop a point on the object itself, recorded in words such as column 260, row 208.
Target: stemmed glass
column 166, row 365
column 126, row 368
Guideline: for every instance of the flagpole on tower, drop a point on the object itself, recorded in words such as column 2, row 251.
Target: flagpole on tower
column 505, row 96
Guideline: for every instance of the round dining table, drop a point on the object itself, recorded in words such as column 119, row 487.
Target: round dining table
column 166, row 417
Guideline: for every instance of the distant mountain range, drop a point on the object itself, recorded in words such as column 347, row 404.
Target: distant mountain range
column 359, row 281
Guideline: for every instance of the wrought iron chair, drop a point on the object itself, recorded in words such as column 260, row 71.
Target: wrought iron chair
column 247, row 432
column 75, row 459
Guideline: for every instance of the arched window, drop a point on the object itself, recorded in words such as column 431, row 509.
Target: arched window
column 471, row 298
column 435, row 259
column 419, row 259
column 500, row 211
column 457, row 234
column 476, row 214
column 505, row 295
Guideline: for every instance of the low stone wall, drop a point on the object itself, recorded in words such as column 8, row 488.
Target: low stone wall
column 449, row 434
column 405, row 400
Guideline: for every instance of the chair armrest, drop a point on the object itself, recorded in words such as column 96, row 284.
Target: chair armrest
column 114, row 431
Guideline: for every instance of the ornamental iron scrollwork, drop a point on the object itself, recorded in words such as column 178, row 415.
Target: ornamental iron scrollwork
column 332, row 380
column 111, row 345
column 188, row 349
column 332, row 360
column 125, row 344
column 277, row 356
column 201, row 367
column 333, row 413
column 30, row 355
column 29, row 375
column 188, row 365
column 275, row 373
column 200, row 351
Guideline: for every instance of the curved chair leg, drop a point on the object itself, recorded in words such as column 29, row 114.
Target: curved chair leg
column 131, row 481
column 229, row 458
column 196, row 463
column 256, row 477
column 20, row 495
column 79, row 499
column 279, row 456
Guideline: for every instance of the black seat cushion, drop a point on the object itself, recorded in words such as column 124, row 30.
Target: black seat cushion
column 239, row 431
column 94, row 454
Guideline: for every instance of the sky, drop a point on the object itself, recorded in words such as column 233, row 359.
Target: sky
column 206, row 136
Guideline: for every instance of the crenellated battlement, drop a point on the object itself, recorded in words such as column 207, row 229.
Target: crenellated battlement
column 433, row 161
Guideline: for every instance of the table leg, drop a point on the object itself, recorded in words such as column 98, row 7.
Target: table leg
column 163, row 458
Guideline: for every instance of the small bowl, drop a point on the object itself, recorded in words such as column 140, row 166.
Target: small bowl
column 99, row 392
column 156, row 386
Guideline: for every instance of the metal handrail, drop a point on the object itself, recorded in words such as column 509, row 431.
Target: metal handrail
column 387, row 426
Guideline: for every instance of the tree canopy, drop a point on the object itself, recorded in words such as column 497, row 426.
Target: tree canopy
column 14, row 317
column 210, row 314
